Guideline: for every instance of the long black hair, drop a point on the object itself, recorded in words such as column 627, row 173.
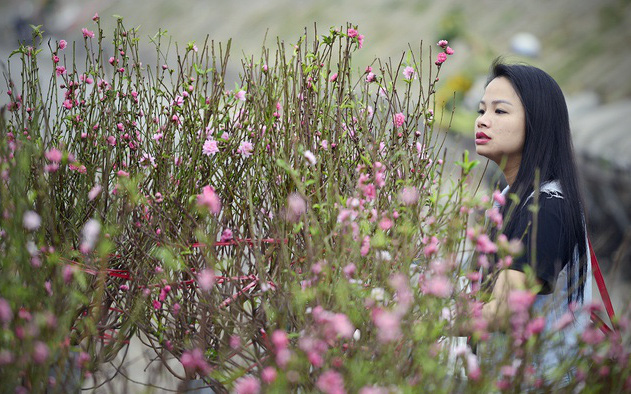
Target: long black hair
column 548, row 150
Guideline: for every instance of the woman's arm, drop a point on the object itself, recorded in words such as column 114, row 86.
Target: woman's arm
column 497, row 311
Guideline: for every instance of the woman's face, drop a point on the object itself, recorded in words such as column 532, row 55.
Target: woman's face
column 500, row 129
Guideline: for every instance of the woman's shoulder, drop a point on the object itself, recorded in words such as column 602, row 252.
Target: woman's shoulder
column 549, row 189
column 550, row 202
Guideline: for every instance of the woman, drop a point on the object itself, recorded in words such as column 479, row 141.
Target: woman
column 523, row 126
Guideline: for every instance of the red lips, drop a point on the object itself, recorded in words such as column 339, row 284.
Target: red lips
column 480, row 135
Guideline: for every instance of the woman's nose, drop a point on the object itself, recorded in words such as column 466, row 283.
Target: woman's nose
column 482, row 121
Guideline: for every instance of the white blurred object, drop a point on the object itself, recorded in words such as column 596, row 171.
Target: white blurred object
column 526, row 44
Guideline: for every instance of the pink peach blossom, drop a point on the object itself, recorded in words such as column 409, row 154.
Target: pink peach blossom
column 399, row 119
column 440, row 58
column 246, row 148
column 409, row 72
column 87, row 33
column 210, row 147
column 226, row 235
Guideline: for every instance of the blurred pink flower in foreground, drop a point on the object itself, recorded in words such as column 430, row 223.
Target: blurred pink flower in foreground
column 485, row 245
column 209, row 199
column 519, row 301
column 194, row 361
column 247, row 385
column 438, row 286
column 365, row 248
column 206, row 279
column 268, row 375
column 373, row 390
column 6, row 315
column 296, row 207
column 388, row 325
column 40, row 352
column 431, row 248
column 311, row 159
column 280, row 339
column 331, row 382
column 89, row 235
column 68, row 273
column 333, row 325
column 404, row 297
column 408, row 195
column 499, row 198
column 31, row 220
column 54, row 155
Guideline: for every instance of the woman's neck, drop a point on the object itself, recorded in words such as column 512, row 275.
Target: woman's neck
column 511, row 170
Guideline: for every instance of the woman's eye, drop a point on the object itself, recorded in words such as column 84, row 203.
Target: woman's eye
column 499, row 111
column 481, row 111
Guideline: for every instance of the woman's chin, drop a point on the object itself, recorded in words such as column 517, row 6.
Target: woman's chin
column 479, row 149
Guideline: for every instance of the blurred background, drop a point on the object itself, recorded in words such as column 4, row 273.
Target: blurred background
column 583, row 44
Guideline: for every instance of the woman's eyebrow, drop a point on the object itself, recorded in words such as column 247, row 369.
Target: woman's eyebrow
column 497, row 102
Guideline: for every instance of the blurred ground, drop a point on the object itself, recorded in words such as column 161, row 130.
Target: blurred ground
column 584, row 42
